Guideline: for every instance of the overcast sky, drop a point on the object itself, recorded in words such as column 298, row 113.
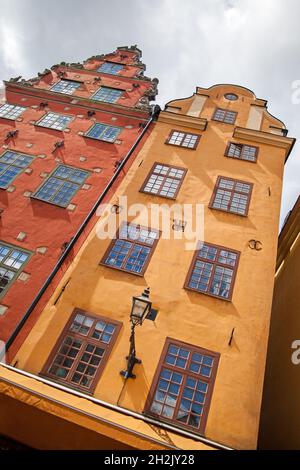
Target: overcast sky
column 185, row 43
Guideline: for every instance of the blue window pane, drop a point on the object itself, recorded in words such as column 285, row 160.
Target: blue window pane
column 181, row 363
column 170, row 359
column 174, row 389
column 109, row 329
column 166, row 374
column 202, row 386
column 191, row 382
column 177, row 378
column 183, row 353
column 197, row 357
column 106, row 94
column 163, row 385
column 185, row 404
column 106, row 338
column 188, row 393
column 62, row 185
column 206, row 371
column 55, row 121
column 66, row 87
column 197, row 408
column 173, row 349
column 208, row 361
column 11, row 165
column 199, row 397
column 194, row 367
column 109, row 67
column 104, row 132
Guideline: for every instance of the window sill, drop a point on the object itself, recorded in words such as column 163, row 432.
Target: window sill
column 229, row 299
column 228, row 212
column 122, row 270
column 99, row 140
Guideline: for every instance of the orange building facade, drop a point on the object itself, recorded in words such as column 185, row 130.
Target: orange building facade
column 67, row 139
column 203, row 344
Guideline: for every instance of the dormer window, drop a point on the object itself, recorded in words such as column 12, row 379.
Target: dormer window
column 106, row 94
column 110, row 67
column 67, row 87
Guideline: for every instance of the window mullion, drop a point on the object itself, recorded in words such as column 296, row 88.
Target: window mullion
column 128, row 254
column 179, row 397
column 72, row 369
column 231, row 197
column 58, row 189
column 214, row 264
column 183, row 138
column 162, row 183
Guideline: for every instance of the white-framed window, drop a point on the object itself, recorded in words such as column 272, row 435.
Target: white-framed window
column 55, row 121
column 108, row 95
column 11, row 111
column 67, row 87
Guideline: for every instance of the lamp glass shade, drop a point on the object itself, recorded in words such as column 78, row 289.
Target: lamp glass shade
column 140, row 308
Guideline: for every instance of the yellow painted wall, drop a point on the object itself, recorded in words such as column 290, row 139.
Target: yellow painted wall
column 184, row 315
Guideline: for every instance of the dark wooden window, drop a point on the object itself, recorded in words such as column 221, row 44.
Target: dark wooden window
column 231, row 196
column 132, row 250
column 164, row 180
column 182, row 387
column 213, row 271
column 224, row 115
column 82, row 350
column 183, row 139
column 242, row 152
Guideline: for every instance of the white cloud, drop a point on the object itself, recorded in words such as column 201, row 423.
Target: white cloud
column 11, row 47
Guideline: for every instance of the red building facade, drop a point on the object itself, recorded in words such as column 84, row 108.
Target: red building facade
column 64, row 135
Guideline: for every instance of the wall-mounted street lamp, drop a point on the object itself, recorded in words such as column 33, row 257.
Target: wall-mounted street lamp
column 141, row 307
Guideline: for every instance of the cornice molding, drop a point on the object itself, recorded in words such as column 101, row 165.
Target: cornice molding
column 267, row 138
column 182, row 120
column 81, row 102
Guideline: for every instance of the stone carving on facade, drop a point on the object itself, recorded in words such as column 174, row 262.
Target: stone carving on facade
column 16, row 79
